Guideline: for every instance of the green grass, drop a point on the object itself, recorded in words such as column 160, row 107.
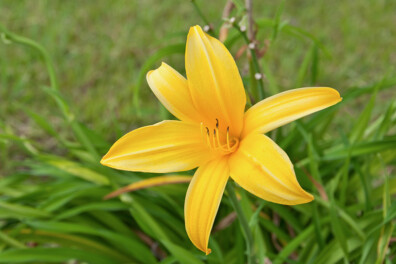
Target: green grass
column 51, row 187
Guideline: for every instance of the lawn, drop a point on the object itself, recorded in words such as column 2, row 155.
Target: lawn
column 52, row 136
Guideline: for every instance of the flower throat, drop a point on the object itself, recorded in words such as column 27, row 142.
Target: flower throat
column 219, row 140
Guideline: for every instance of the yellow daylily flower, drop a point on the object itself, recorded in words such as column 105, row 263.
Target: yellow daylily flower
column 215, row 134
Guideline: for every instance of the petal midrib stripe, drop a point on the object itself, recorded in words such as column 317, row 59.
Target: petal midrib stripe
column 287, row 101
column 160, row 148
column 217, row 86
column 261, row 166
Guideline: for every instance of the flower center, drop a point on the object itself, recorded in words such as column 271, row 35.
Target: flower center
column 219, row 140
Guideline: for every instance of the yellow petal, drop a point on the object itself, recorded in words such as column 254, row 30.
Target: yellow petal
column 164, row 147
column 286, row 107
column 261, row 167
column 150, row 182
column 214, row 81
column 171, row 89
column 203, row 200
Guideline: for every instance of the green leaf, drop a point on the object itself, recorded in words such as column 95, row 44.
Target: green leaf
column 360, row 149
column 387, row 121
column 52, row 255
column 277, row 23
column 120, row 241
column 303, row 71
column 20, row 211
column 333, row 253
column 69, row 240
column 338, row 229
column 180, row 253
column 293, row 245
column 103, row 205
column 10, row 240
column 77, row 170
column 362, row 122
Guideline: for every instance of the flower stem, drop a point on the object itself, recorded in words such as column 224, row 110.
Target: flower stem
column 255, row 64
column 244, row 223
column 9, row 37
column 202, row 16
column 30, row 43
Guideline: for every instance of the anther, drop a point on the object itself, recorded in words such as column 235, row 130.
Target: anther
column 217, row 123
column 208, row 138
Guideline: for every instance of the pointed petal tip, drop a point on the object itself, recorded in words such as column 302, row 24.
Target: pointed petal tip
column 202, row 201
column 148, row 74
column 303, row 199
column 204, row 249
column 163, row 64
column 337, row 96
column 196, row 31
column 196, row 27
column 106, row 161
column 103, row 160
column 308, row 198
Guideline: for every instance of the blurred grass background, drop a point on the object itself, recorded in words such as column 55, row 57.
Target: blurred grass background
column 99, row 49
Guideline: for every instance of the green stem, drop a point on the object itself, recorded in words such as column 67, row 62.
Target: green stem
column 80, row 135
column 253, row 85
column 30, row 43
column 256, row 65
column 202, row 16
column 11, row 241
column 243, row 221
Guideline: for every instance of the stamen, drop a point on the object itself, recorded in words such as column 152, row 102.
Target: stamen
column 214, row 141
column 218, row 138
column 219, row 145
column 214, row 138
column 208, row 137
column 228, row 138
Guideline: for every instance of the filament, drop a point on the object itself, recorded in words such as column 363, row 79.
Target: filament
column 214, row 141
column 228, row 138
